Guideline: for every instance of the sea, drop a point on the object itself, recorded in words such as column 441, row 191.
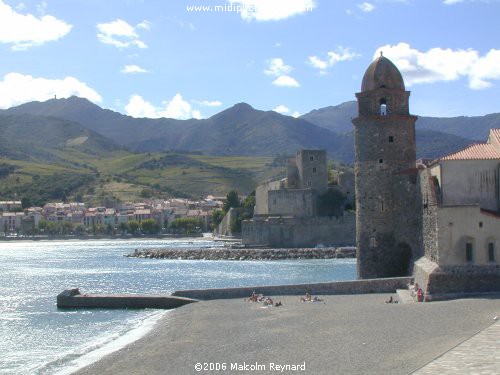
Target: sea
column 38, row 338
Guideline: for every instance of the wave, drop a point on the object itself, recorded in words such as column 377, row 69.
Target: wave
column 71, row 362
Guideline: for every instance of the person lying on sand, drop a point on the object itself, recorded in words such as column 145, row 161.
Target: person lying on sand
column 309, row 298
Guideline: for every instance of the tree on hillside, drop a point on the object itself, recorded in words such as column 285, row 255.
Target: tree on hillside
column 232, row 200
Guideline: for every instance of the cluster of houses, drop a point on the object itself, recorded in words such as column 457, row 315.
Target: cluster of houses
column 15, row 219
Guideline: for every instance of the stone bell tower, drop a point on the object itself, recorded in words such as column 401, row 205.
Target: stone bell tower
column 387, row 211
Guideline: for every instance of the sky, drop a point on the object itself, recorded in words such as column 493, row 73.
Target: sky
column 194, row 58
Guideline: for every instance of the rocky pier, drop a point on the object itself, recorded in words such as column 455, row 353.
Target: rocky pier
column 246, row 253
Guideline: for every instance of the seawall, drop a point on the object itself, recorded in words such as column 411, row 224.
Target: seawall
column 388, row 285
column 72, row 298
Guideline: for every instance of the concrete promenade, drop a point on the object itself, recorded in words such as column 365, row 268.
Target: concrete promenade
column 344, row 334
column 478, row 355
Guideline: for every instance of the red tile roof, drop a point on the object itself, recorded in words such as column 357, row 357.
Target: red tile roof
column 478, row 151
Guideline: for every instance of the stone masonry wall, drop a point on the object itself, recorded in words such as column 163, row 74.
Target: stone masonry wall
column 299, row 232
column 429, row 215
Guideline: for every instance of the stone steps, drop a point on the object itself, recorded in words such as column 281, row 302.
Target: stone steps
column 404, row 296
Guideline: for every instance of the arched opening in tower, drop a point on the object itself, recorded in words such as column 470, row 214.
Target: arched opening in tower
column 383, row 107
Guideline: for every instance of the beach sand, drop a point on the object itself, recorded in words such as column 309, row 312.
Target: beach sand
column 345, row 334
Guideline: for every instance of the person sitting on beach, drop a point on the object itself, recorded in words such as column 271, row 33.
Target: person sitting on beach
column 420, row 295
column 268, row 302
column 253, row 298
column 278, row 304
column 307, row 298
column 413, row 289
column 390, row 300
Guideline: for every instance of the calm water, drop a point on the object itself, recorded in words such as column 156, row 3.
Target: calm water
column 37, row 338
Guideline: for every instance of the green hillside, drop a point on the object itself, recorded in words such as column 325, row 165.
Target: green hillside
column 124, row 176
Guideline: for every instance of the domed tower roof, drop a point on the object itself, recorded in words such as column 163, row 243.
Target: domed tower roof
column 382, row 73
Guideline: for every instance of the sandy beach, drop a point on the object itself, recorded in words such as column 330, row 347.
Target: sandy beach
column 348, row 334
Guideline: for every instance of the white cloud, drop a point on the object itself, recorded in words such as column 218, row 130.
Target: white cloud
column 318, row 63
column 208, row 103
column 17, row 88
column 146, row 25
column 138, row 107
column 176, row 108
column 332, row 58
column 121, row 34
column 281, row 109
column 23, row 31
column 286, row 81
column 271, row 10
column 486, row 68
column 366, row 7
column 277, row 67
column 296, row 114
column 451, row 2
column 133, row 69
column 439, row 64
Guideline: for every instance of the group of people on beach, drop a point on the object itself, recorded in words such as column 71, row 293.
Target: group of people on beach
column 254, row 297
column 309, row 298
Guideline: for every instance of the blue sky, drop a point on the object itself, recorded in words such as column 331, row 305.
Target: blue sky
column 156, row 58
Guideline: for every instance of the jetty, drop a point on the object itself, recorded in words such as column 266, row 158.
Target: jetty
column 72, row 298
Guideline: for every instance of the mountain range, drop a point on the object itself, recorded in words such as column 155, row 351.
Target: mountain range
column 66, row 149
column 237, row 131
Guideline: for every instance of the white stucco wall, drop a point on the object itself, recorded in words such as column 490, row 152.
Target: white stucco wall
column 458, row 225
column 469, row 182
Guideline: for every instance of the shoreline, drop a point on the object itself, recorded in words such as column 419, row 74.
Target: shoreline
column 112, row 345
column 354, row 334
column 243, row 253
column 105, row 237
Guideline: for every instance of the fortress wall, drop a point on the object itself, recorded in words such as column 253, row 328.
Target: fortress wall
column 261, row 197
column 300, row 232
column 297, row 202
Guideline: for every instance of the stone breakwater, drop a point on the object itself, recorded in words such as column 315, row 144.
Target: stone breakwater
column 246, row 254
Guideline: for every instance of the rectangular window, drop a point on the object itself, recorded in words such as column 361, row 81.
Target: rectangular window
column 468, row 252
column 311, row 158
column 309, row 183
column 491, row 252
column 391, row 139
column 314, row 170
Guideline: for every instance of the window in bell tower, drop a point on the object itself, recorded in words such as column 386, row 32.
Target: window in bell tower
column 383, row 107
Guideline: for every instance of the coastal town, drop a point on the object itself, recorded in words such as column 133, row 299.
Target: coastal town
column 79, row 219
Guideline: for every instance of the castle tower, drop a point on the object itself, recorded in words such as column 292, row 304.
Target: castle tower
column 387, row 212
